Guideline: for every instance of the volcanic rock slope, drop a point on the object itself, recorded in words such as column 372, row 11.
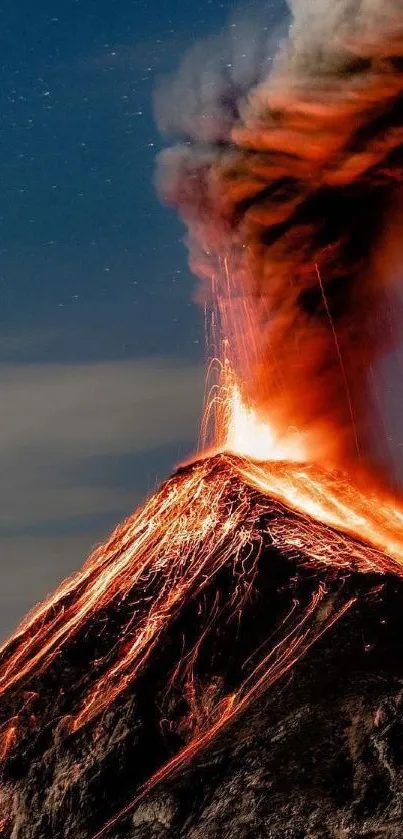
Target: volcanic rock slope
column 318, row 754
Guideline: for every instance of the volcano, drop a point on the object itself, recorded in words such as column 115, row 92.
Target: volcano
column 226, row 665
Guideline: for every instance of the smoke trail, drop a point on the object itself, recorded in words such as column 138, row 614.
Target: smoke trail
column 289, row 164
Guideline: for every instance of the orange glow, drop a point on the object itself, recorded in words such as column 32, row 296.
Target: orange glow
column 247, row 434
column 250, row 436
column 234, row 421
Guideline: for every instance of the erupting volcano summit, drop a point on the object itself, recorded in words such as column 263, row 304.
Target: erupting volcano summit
column 229, row 663
column 225, row 664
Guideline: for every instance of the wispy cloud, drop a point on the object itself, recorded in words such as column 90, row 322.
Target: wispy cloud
column 62, row 428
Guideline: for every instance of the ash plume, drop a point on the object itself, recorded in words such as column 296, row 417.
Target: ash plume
column 288, row 164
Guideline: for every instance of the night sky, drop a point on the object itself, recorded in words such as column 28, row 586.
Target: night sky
column 101, row 344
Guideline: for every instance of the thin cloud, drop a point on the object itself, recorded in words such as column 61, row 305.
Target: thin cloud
column 63, row 428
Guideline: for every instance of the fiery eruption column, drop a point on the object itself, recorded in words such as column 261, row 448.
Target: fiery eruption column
column 287, row 172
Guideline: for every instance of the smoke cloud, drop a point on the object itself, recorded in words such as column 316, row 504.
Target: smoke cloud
column 288, row 163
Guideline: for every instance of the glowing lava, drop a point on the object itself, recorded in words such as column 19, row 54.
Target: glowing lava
column 249, row 436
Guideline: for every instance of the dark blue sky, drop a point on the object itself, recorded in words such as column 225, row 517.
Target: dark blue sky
column 87, row 253
column 101, row 346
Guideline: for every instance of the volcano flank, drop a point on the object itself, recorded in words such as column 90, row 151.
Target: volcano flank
column 226, row 665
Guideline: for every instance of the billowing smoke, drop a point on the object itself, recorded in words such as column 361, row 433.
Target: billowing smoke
column 288, row 164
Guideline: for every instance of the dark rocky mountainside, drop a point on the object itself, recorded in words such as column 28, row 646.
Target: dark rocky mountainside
column 318, row 754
